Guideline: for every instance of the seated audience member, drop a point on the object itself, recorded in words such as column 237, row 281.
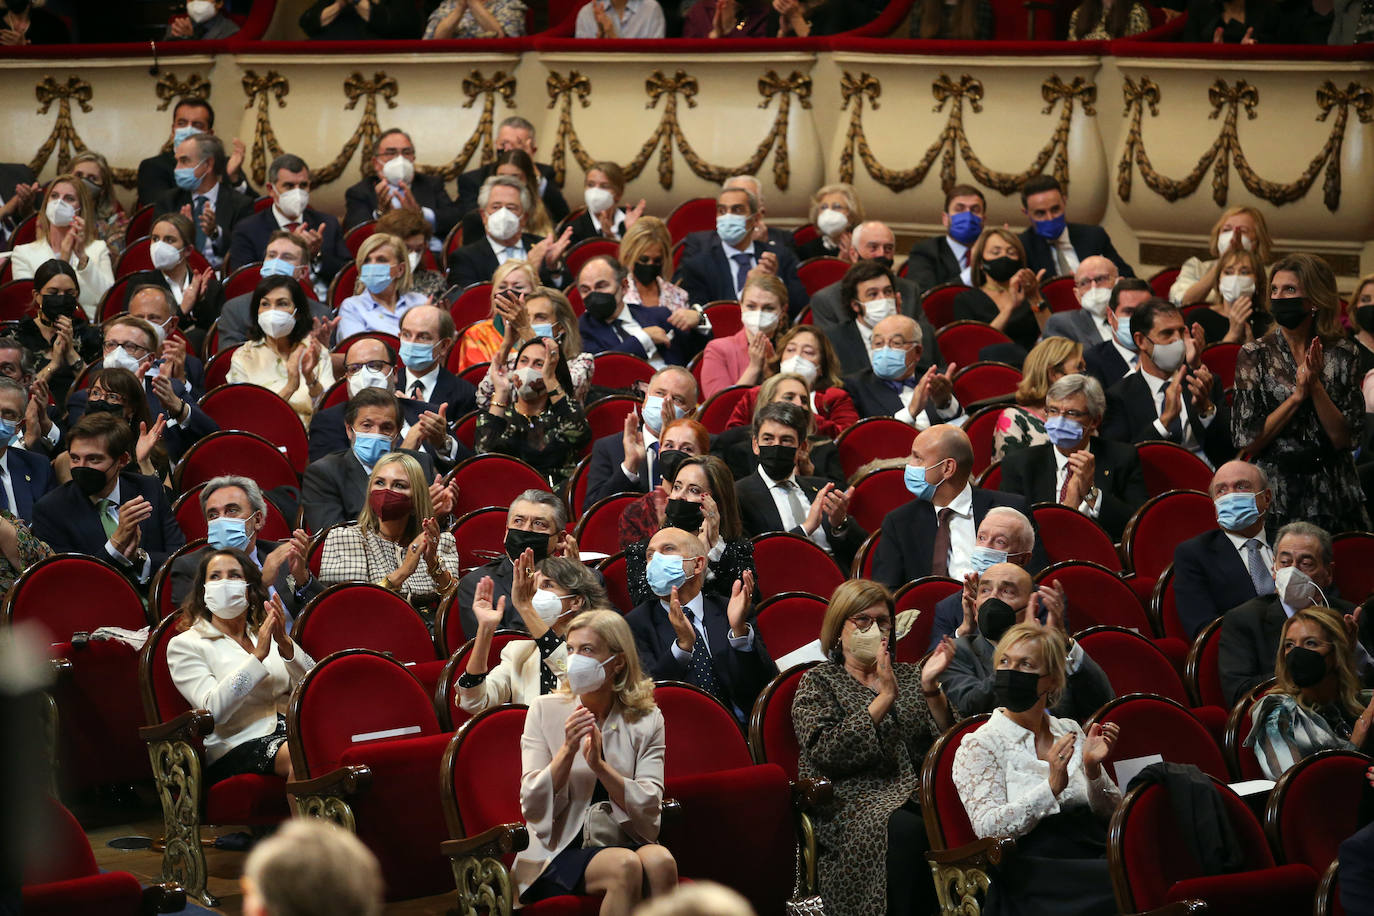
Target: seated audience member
column 19, row 195
column 735, row 446
column 235, row 513
column 1244, row 22
column 936, row 533
column 1059, row 819
column 335, row 487
column 396, row 185
column 410, row 227
column 1092, row 286
column 311, row 867
column 157, row 174
column 1004, row 536
column 118, row 392
column 1361, row 316
column 236, row 659
column 345, row 20
column 396, row 530
column 505, row 204
column 1053, row 244
column 1173, row 396
column 772, row 236
column 427, row 334
column 604, row 217
column 1230, row 564
column 287, row 255
column 476, row 19
column 1315, row 704
column 607, row 707
column 57, row 332
column 807, row 354
column 686, row 633
column 891, row 385
column 1303, row 574
column 1023, row 425
column 1298, row 407
column 702, row 502
column 1078, row 468
column 282, row 354
column 511, row 284
column 66, row 234
column 547, row 597
column 37, row 432
column 532, row 416
column 514, row 134
column 1000, row 597
column 835, row 212
column 1112, row 359
column 382, row 293
column 1006, row 293
column 197, row 297
column 868, row 292
column 518, row 164
column 644, row 250
column 204, row 195
column 1093, row 20
column 731, row 19
column 205, row 20
column 620, row 19
column 289, row 183
column 720, row 267
column 743, row 357
column 628, row 462
column 28, row 24
column 945, row 259
column 120, row 517
column 775, row 498
column 25, row 476
column 544, row 312
column 1239, row 228
column 1350, row 23
column 865, row 721
column 19, row 548
column 111, row 221
column 964, row 20
column 655, row 333
column 1237, row 309
column 681, row 439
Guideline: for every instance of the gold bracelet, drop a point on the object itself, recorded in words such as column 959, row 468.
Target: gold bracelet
column 385, row 582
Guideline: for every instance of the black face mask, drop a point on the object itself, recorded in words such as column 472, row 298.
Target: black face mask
column 646, row 272
column 1289, row 312
column 94, row 406
column 1364, row 317
column 886, row 262
column 89, row 481
column 1001, row 269
column 600, row 306
column 995, row 617
column 684, row 514
column 669, row 461
column 58, row 305
column 517, row 542
column 1016, row 690
column 778, row 460
column 1306, row 666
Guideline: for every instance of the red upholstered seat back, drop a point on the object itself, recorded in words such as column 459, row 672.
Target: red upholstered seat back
column 612, row 369
column 786, row 562
column 16, row 299
column 772, row 737
column 961, row 341
column 946, row 819
column 481, row 536
column 242, row 453
column 1059, row 292
column 874, row 437
column 617, row 589
column 701, row 734
column 587, row 249
column 695, row 215
column 259, row 410
column 716, row 412
column 1070, row 535
column 1164, row 606
column 817, row 273
column 724, row 315
column 1154, row 725
column 1132, row 663
column 1204, row 666
column 69, row 593
column 1312, row 808
column 64, row 853
column 161, row 699
column 575, row 490
column 1096, row 596
column 938, row 303
column 446, row 697
column 1164, row 522
column 789, row 621
column 599, row 529
column 921, row 595
column 1169, row 466
column 980, row 429
column 1354, row 564
column 983, row 380
column 363, row 616
column 1220, row 357
column 606, row 416
column 493, row 480
column 482, row 772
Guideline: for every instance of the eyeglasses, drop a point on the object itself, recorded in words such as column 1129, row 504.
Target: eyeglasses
column 1099, row 280
column 137, row 351
column 376, row 365
column 862, row 623
column 1066, row 414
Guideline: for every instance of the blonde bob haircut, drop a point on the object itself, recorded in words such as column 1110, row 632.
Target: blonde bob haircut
column 852, row 597
column 634, row 691
column 84, row 202
column 1342, row 658
column 851, row 200
column 1318, row 284
column 420, row 506
column 398, row 250
column 1264, row 245
column 499, row 275
column 1035, row 372
column 975, row 257
column 647, row 232
column 1054, row 651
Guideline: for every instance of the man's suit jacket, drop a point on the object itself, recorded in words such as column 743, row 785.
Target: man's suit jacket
column 177, row 439
column 759, row 514
column 853, row 353
column 1031, row 472
column 932, row 263
column 294, row 595
column 1250, row 642
column 1078, row 325
column 31, row 478
column 470, row 184
column 873, row 398
column 968, row 683
column 70, row 523
column 251, row 235
column 828, row 310
column 1105, row 363
column 1132, row 411
column 13, row 174
column 740, row 674
column 360, row 202
column 458, row 393
column 694, row 242
column 604, row 476
column 600, row 337
column 334, row 488
column 239, row 316
column 156, row 177
column 1210, row 578
column 230, row 207
column 203, row 314
column 1087, row 240
column 707, row 276
column 475, row 262
column 329, row 433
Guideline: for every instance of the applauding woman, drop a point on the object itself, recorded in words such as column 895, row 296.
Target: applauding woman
column 591, row 788
column 1006, row 293
column 58, row 334
column 236, row 660
column 531, row 416
column 199, row 296
column 67, row 232
column 281, row 352
column 679, row 440
column 745, row 357
column 1238, row 305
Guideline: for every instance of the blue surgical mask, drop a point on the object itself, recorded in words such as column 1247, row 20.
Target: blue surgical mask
column 888, row 362
column 1237, row 511
column 276, row 267
column 182, row 134
column 984, row 558
column 8, row 432
column 1064, row 432
column 376, row 277
column 732, row 228
column 914, row 476
column 1050, row 229
column 369, row 447
column 417, row 355
column 542, row 330
column 665, row 573
column 228, row 532
column 186, row 177
column 653, row 412
column 1123, row 333
column 965, row 227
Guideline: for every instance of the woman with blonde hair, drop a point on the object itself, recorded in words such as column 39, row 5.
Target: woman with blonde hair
column 1238, row 228
column 382, row 293
column 1006, row 292
column 510, row 284
column 591, row 787
column 646, row 251
column 111, row 221
column 1023, row 425
column 1237, row 308
column 743, row 357
column 67, row 231
column 835, row 211
column 546, row 313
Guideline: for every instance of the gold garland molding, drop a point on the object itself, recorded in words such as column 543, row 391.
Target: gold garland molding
column 63, row 138
column 1226, row 101
column 170, row 89
column 475, row 85
column 952, row 143
column 564, row 90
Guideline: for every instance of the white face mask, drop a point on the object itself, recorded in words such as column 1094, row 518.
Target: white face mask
column 875, row 310
column 1095, row 301
column 120, row 359
column 758, row 320
column 160, row 330
column 1296, row 589
column 549, row 605
column 831, row 222
column 200, row 10
column 1235, row 286
column 398, row 170
column 598, row 200
column 503, row 224
column 277, row 323
column 368, row 379
column 226, row 598
column 165, row 255
column 414, row 259
column 1225, row 239
column 292, row 203
column 801, row 366
column 60, row 213
column 585, row 674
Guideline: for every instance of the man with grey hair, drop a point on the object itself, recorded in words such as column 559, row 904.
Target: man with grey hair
column 396, row 184
column 897, row 381
column 720, row 266
column 235, row 512
column 1003, row 536
column 1077, row 468
column 505, row 204
column 289, row 184
column 514, row 132
column 203, row 195
column 1093, row 281
column 627, row 461
column 25, row 476
column 311, row 867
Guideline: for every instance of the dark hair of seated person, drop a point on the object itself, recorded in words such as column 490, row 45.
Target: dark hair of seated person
column 193, row 608
column 304, row 320
column 372, row 397
column 115, row 436
column 125, row 384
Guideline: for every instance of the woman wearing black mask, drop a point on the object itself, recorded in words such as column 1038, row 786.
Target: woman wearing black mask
column 1362, row 321
column 702, row 501
column 1000, row 771
column 1298, row 409
column 679, row 440
column 57, row 333
column 1313, row 706
column 645, row 250
column 1006, row 293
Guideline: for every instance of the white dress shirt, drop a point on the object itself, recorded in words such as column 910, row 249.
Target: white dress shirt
column 963, row 534
column 1061, row 473
column 961, row 255
column 5, row 479
column 113, row 511
column 697, row 606
column 730, row 254
column 1129, row 357
column 1239, row 541
column 1190, row 441
column 505, row 253
column 778, row 491
column 630, row 326
column 650, row 456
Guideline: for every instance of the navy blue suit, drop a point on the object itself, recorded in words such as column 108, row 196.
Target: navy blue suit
column 708, row 276
column 1210, row 578
column 249, row 242
column 598, row 336
column 458, row 393
column 177, row 439
column 1087, row 240
column 329, row 433
column 1105, row 363
column 31, row 478
column 604, row 476
column 70, row 523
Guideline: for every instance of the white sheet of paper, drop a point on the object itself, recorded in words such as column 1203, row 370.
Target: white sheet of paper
column 811, row 652
column 1252, row 786
column 1128, row 768
column 386, row 733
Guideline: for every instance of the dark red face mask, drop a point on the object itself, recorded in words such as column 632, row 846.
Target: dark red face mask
column 389, row 505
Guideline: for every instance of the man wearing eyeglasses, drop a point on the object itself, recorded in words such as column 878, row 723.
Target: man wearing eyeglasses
column 1092, row 286
column 397, row 185
column 1098, row 477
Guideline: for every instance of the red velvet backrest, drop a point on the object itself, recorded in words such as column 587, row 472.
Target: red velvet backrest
column 789, row 621
column 1313, row 808
column 599, row 529
column 1353, row 555
column 772, row 736
column 874, row 437
column 612, row 369
column 493, row 480
column 587, row 249
column 946, row 818
column 575, row 490
column 1154, row 725
column 695, row 215
column 817, row 273
column 64, row 852
column 983, row 380
column 1220, row 357
column 1068, row 534
column 980, row 429
column 613, row 571
column 236, row 453
column 472, row 304
column 788, row 563
column 1165, row 606
column 938, row 303
column 482, row 771
column 1059, row 292
column 481, row 535
column 725, row 316
column 68, row 593
column 1132, row 663
column 363, row 616
column 1162, row 524
column 161, row 699
column 1169, row 466
column 961, row 341
column 1204, row 666
column 1096, row 596
column 716, row 412
column 701, row 735
column 921, row 595
column 607, row 415
column 259, row 410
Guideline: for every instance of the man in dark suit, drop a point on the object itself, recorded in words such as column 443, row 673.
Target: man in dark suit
column 871, row 293
column 397, row 184
column 1092, row 287
column 157, row 174
column 935, row 533
column 872, row 241
column 288, row 182
column 18, row 195
column 653, row 333
column 1004, row 536
column 628, row 462
column 772, row 236
column 240, row 314
column 1109, row 360
column 24, row 476
column 514, row 133
column 205, row 197
column 908, row 389
column 427, row 336
column 120, row 517
column 1053, row 244
column 944, row 259
column 686, row 635
column 1098, row 477
column 1229, row 565
column 154, row 304
column 505, row 203
column 1173, row 396
column 776, row 498
column 235, row 511
column 720, row 268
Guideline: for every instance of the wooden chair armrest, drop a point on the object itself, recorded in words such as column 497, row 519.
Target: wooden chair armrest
column 978, row 854
column 343, row 782
column 193, row 723
column 163, row 898
column 494, row 843
column 810, row 794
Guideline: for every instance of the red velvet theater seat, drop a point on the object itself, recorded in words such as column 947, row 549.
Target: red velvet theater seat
column 772, row 739
column 1312, row 808
column 1152, row 724
column 789, row 621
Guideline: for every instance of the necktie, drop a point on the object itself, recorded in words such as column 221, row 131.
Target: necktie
column 1259, row 574
column 963, row 258
column 743, row 264
column 292, row 227
column 417, row 391
column 620, row 331
column 514, row 252
column 699, row 669
column 106, row 520
column 1064, row 487
column 654, row 478
column 196, row 210
column 794, row 502
column 939, row 559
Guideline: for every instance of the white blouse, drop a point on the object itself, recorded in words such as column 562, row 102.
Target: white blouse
column 1005, row 787
column 95, row 280
column 515, row 679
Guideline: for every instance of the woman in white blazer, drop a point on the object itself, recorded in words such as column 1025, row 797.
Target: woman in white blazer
column 547, row 595
column 592, row 777
column 65, row 233
column 236, row 660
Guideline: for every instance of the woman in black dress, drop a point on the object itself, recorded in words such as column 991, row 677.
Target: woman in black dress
column 57, row 333
column 1006, row 293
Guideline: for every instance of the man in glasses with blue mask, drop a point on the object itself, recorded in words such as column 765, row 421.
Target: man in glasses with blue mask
column 1004, row 536
column 899, row 382
column 627, row 462
column 287, row 255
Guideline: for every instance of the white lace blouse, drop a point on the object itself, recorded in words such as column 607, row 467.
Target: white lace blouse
column 1005, row 787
